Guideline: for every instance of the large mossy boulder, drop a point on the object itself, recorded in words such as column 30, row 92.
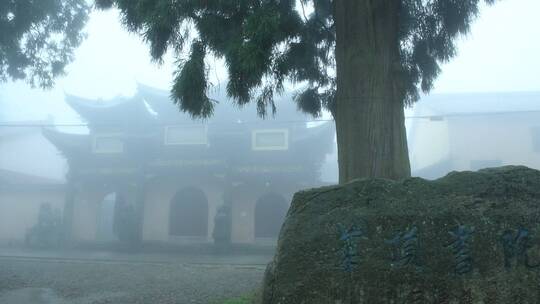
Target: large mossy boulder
column 470, row 237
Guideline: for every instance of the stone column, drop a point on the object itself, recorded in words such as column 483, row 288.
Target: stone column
column 69, row 201
column 140, row 199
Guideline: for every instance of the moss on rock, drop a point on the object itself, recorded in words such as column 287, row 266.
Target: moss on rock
column 470, row 237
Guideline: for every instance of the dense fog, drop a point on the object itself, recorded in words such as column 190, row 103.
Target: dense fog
column 106, row 159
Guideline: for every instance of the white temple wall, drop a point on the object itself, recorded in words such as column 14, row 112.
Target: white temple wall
column 156, row 211
column 243, row 211
column 85, row 212
column 508, row 139
column 19, row 211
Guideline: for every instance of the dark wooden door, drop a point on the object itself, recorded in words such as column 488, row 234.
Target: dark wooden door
column 189, row 213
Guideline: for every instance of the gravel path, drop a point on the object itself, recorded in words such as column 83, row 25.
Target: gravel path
column 95, row 282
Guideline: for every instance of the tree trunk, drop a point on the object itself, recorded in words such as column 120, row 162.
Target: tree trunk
column 370, row 121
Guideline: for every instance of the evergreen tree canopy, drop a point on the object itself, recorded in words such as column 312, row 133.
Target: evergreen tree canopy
column 267, row 42
column 38, row 37
column 363, row 60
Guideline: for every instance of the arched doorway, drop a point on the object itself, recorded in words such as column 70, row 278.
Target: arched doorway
column 189, row 213
column 270, row 212
column 107, row 218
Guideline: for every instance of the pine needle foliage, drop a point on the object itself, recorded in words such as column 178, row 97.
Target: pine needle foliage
column 267, row 42
column 38, row 38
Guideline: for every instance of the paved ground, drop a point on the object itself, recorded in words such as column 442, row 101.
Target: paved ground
column 111, row 256
column 99, row 278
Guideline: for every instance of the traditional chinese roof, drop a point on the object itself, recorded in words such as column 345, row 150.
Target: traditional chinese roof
column 17, row 181
column 69, row 144
column 115, row 114
column 225, row 110
column 141, row 121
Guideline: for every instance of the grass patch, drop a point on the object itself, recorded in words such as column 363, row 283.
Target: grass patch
column 241, row 300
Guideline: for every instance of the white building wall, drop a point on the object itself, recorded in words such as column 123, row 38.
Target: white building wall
column 26, row 150
column 428, row 141
column 505, row 138
column 19, row 211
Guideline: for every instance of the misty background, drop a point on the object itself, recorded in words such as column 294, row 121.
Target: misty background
column 499, row 55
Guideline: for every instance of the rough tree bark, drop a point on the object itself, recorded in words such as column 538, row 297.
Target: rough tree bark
column 370, row 121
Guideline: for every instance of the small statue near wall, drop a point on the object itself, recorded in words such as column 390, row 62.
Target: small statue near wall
column 223, row 227
column 47, row 232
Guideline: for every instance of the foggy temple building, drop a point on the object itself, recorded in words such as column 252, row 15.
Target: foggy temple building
column 471, row 131
column 146, row 162
column 140, row 161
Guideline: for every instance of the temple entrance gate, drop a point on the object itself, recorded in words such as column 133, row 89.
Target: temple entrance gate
column 188, row 215
column 270, row 211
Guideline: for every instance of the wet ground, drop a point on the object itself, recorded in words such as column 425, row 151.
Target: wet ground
column 103, row 277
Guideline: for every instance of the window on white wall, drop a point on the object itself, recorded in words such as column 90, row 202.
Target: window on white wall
column 275, row 139
column 186, row 135
column 110, row 143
